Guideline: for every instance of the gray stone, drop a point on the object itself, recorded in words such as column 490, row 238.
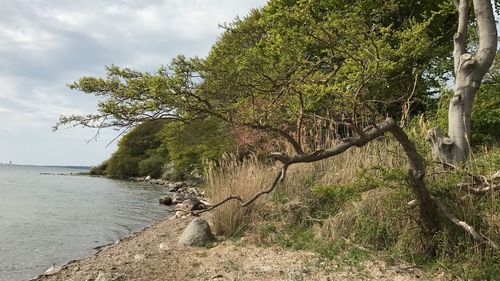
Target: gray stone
column 166, row 200
column 178, row 198
column 177, row 186
column 192, row 204
column 197, row 233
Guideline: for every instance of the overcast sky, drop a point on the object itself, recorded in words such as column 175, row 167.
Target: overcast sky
column 45, row 44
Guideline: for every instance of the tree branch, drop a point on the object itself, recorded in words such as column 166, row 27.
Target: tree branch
column 280, row 176
column 296, row 146
column 487, row 36
column 468, row 229
column 460, row 37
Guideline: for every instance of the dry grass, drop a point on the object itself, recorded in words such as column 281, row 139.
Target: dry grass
column 232, row 177
column 346, row 167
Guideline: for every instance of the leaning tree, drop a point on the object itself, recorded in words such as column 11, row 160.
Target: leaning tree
column 298, row 61
column 469, row 69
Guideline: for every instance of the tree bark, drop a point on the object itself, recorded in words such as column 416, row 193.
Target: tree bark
column 416, row 172
column 469, row 71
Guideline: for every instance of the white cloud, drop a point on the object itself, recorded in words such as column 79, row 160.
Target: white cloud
column 45, row 44
column 4, row 110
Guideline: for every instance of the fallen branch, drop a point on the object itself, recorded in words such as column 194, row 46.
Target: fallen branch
column 279, row 178
column 480, row 185
column 468, row 229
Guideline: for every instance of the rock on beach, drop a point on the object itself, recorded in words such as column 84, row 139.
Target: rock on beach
column 197, row 233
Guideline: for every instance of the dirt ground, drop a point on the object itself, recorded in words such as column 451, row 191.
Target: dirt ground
column 153, row 254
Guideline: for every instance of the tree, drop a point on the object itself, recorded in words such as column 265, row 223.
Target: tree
column 191, row 144
column 291, row 70
column 469, row 69
column 293, row 63
column 140, row 152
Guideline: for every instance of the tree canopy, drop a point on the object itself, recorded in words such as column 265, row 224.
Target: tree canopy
column 291, row 69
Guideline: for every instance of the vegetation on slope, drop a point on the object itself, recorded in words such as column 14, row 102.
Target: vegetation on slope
column 355, row 206
column 302, row 76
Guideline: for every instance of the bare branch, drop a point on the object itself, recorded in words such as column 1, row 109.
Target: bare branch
column 480, row 185
column 468, row 229
column 368, row 136
column 279, row 178
column 296, row 146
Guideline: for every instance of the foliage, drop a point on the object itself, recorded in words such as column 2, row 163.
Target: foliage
column 99, row 170
column 192, row 144
column 139, row 152
column 486, row 113
column 300, row 60
column 291, row 69
column 151, row 166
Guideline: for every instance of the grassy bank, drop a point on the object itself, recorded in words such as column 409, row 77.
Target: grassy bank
column 355, row 206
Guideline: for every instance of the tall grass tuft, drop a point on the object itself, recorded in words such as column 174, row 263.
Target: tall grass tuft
column 232, row 177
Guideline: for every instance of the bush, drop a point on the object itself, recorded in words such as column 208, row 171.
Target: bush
column 140, row 152
column 191, row 145
column 99, row 170
column 123, row 166
column 151, row 166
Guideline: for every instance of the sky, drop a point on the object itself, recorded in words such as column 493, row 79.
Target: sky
column 46, row 44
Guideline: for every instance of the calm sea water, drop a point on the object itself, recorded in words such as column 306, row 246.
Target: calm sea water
column 51, row 219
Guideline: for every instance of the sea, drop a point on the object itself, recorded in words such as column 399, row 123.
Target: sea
column 51, row 215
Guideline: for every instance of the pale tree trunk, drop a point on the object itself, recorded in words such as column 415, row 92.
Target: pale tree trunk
column 469, row 71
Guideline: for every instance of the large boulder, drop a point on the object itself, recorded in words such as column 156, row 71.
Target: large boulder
column 197, row 233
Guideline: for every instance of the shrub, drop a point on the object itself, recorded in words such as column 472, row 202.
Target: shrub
column 99, row 170
column 151, row 166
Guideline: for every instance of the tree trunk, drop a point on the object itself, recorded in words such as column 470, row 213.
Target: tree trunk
column 469, row 71
column 416, row 172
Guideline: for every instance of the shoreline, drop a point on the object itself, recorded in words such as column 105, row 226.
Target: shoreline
column 184, row 196
column 54, row 270
column 154, row 254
